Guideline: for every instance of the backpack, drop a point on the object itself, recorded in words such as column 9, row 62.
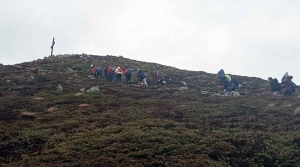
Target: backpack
column 99, row 70
column 276, row 84
column 294, row 85
column 142, row 74
column 129, row 72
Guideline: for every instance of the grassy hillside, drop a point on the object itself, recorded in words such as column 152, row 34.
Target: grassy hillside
column 131, row 125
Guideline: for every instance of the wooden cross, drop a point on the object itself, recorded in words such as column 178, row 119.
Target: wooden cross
column 53, row 42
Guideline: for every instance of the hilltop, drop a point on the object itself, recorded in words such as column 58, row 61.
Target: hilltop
column 48, row 120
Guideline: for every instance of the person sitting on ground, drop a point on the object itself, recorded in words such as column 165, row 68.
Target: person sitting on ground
column 275, row 86
column 119, row 74
column 160, row 77
column 142, row 78
column 127, row 74
column 226, row 81
column 287, row 85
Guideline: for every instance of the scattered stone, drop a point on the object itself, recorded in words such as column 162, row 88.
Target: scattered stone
column 84, row 105
column 244, row 83
column 183, row 88
column 272, row 104
column 78, row 94
column 32, row 77
column 8, row 81
column 235, row 94
column 18, row 66
column 82, row 90
column 262, row 89
column 216, row 94
column 204, row 92
column 51, row 109
column 70, row 70
column 59, row 88
column 297, row 111
column 184, row 83
column 288, row 105
column 93, row 89
column 27, row 115
column 219, row 87
column 276, row 93
column 38, row 98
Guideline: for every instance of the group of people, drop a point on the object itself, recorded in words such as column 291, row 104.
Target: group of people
column 287, row 86
column 112, row 74
column 229, row 83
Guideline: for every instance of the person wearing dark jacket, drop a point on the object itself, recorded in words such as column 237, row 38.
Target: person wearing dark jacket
column 142, row 78
column 275, row 86
column 225, row 81
column 128, row 73
column 287, row 85
column 99, row 72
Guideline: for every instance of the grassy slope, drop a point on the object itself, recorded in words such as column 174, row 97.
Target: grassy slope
column 129, row 125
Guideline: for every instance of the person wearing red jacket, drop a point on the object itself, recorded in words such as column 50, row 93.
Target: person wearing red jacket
column 94, row 71
column 109, row 73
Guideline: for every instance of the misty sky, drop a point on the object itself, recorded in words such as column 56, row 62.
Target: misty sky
column 250, row 37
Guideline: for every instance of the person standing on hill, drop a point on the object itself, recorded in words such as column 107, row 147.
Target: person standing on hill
column 284, row 76
column 99, row 72
column 287, row 85
column 127, row 74
column 95, row 71
column 112, row 74
column 160, row 77
column 275, row 86
column 142, row 78
column 108, row 72
column 119, row 74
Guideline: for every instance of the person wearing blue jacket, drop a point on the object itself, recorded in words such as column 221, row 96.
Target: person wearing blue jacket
column 225, row 80
column 142, row 78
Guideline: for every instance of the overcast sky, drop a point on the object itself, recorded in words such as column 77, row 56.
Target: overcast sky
column 258, row 38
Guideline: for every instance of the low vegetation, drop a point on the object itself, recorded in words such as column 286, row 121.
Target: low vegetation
column 131, row 125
